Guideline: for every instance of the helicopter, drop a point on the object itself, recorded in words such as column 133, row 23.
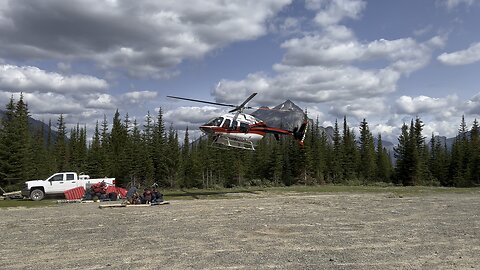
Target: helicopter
column 240, row 130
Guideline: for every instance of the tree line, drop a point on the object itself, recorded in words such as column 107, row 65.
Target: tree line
column 148, row 152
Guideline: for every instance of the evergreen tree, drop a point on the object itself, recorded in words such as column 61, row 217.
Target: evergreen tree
column 104, row 167
column 403, row 155
column 117, row 155
column 438, row 163
column 473, row 166
column 94, row 163
column 173, row 158
column 16, row 151
column 424, row 176
column 384, row 165
column 367, row 153
column 24, row 144
column 159, row 158
column 40, row 156
column 459, row 160
column 350, row 152
column 61, row 148
column 186, row 162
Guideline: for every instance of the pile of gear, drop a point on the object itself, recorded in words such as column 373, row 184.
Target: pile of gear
column 99, row 191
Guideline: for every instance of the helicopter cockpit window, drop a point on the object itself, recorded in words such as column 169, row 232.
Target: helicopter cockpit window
column 226, row 124
column 215, row 122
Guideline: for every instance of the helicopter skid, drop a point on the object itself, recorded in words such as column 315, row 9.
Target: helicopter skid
column 234, row 142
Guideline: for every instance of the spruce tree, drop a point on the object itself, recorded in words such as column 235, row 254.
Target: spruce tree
column 94, row 161
column 159, row 158
column 367, row 153
column 403, row 157
column 117, row 155
column 350, row 152
column 336, row 172
column 459, row 160
column 172, row 158
column 383, row 163
column 473, row 166
column 61, row 147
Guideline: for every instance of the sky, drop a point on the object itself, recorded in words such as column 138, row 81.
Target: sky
column 386, row 61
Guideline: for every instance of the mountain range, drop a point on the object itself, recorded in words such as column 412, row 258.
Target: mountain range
column 35, row 125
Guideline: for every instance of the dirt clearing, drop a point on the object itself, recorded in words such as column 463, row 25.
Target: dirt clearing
column 319, row 231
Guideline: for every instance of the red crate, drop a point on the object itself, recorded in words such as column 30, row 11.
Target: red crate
column 74, row 193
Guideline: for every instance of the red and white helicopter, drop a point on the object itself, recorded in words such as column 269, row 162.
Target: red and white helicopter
column 240, row 130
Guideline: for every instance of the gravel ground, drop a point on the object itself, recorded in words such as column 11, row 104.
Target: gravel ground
column 294, row 231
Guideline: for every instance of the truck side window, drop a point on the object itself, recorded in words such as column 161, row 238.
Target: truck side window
column 70, row 176
column 58, row 177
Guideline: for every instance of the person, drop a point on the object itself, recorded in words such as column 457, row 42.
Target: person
column 147, row 196
column 156, row 196
column 132, row 195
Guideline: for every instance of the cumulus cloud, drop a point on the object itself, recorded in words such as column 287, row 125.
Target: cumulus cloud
column 191, row 116
column 144, row 38
column 48, row 106
column 320, row 68
column 360, row 109
column 332, row 12
column 138, row 97
column 440, row 107
column 463, row 57
column 472, row 106
column 33, row 79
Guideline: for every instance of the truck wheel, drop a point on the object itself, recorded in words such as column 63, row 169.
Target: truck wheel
column 37, row 195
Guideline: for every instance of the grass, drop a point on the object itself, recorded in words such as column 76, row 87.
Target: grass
column 26, row 203
column 222, row 192
column 226, row 193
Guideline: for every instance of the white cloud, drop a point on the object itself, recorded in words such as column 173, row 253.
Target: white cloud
column 33, row 79
column 138, row 97
column 361, row 108
column 101, row 101
column 331, row 12
column 441, row 108
column 145, row 38
column 191, row 116
column 463, row 57
column 451, row 4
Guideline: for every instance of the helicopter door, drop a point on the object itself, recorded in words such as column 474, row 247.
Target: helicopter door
column 244, row 127
column 226, row 124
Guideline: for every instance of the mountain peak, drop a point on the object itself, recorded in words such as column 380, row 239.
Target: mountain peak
column 288, row 105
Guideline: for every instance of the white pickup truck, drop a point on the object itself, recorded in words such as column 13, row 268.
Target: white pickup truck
column 59, row 183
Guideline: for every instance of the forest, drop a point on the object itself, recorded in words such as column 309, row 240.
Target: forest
column 148, row 152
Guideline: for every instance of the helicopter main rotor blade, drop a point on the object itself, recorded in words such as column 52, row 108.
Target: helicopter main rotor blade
column 242, row 106
column 203, row 101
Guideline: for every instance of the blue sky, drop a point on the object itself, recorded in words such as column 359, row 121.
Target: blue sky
column 384, row 60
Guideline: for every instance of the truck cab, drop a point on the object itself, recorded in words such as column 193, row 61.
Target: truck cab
column 60, row 182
